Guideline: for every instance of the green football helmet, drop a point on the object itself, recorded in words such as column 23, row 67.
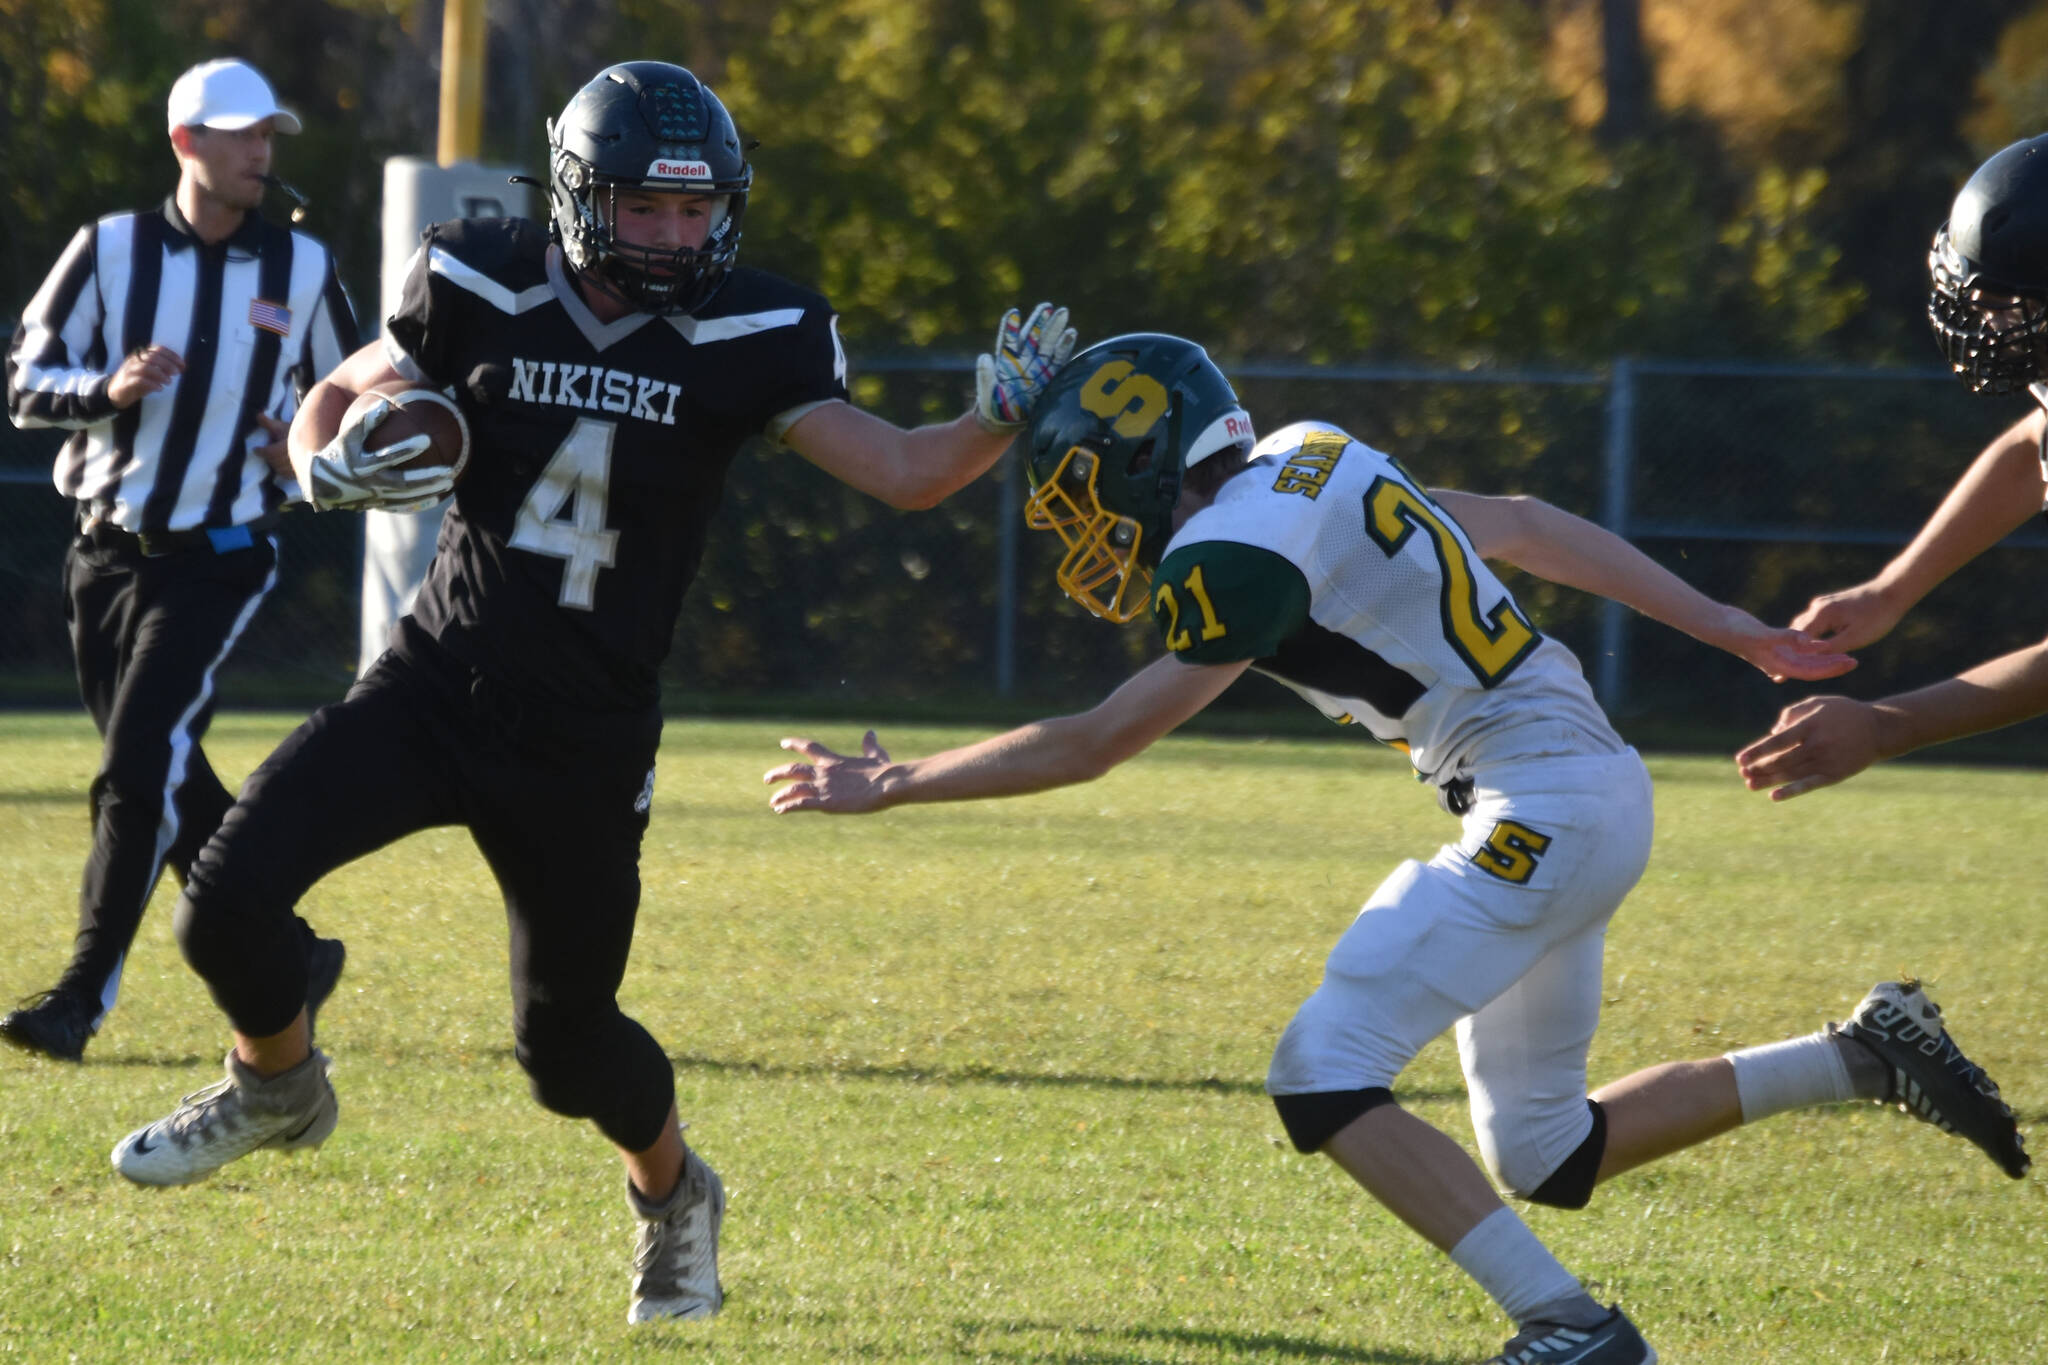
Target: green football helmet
column 1108, row 443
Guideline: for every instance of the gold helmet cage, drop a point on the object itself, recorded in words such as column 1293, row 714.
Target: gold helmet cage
column 1101, row 569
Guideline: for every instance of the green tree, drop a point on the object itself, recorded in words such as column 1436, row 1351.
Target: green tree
column 1325, row 180
column 82, row 90
column 1330, row 181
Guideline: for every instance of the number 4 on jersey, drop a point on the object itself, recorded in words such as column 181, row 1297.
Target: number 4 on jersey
column 581, row 468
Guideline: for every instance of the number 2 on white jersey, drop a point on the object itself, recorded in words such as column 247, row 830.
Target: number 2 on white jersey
column 581, row 467
column 1492, row 643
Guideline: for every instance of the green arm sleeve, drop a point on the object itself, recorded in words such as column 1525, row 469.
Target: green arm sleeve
column 1219, row 601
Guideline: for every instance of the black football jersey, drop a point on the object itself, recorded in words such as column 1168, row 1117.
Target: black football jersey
column 597, row 451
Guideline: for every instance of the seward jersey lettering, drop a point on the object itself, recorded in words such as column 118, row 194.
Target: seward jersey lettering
column 598, row 451
column 1333, row 570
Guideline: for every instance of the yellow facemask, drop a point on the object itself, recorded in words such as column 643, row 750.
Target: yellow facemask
column 1101, row 569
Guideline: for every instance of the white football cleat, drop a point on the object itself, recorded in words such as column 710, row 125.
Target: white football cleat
column 675, row 1265
column 231, row 1119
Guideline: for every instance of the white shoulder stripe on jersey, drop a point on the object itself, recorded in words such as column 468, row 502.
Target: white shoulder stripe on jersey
column 703, row 331
column 444, row 264
column 401, row 360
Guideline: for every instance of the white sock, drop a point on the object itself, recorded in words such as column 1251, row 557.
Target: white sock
column 1795, row 1074
column 1511, row 1265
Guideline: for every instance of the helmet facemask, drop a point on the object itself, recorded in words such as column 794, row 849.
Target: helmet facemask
column 1101, row 570
column 648, row 279
column 1995, row 338
column 1107, row 451
column 651, row 128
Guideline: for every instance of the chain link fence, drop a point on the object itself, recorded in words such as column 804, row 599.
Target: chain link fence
column 1762, row 485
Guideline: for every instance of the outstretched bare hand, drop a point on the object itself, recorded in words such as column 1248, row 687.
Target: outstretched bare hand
column 1784, row 654
column 1849, row 619
column 837, row 784
column 1816, row 743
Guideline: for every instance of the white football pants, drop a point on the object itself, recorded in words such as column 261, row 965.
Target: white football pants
column 1502, row 935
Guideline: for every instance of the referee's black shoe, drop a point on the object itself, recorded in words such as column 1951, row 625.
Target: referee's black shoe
column 57, row 1023
column 324, row 959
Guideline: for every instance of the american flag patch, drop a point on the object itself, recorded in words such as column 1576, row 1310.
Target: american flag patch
column 271, row 317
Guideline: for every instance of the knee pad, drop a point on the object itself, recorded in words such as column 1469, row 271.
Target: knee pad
column 204, row 929
column 598, row 1066
column 1570, row 1186
column 253, row 962
column 1312, row 1120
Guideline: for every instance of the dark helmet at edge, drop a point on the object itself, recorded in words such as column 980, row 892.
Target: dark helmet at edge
column 1988, row 303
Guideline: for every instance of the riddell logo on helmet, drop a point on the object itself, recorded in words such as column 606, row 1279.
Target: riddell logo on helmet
column 659, row 169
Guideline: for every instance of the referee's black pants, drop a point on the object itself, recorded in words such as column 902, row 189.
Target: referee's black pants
column 557, row 801
column 148, row 634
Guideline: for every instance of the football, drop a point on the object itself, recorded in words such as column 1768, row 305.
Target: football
column 417, row 409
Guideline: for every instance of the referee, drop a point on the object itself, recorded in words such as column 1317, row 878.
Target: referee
column 173, row 345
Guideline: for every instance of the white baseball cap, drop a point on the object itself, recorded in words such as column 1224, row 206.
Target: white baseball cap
column 226, row 94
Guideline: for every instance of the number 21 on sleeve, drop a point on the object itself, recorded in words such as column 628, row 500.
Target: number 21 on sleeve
column 1178, row 637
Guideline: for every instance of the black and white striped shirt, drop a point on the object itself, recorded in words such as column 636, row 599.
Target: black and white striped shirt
column 257, row 318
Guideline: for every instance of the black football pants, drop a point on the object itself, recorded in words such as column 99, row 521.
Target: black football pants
column 556, row 800
column 148, row 635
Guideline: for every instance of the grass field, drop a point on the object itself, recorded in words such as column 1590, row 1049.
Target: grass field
column 983, row 1083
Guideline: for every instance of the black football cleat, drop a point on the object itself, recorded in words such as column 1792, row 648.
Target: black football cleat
column 1930, row 1077
column 1613, row 1340
column 58, row 1024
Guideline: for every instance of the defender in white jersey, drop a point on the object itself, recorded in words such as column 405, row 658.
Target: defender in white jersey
column 1322, row 562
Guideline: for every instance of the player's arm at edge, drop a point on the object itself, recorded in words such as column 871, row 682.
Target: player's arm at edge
column 2002, row 490
column 1824, row 740
column 1993, row 694
column 1553, row 544
column 319, row 417
column 909, row 469
column 1044, row 754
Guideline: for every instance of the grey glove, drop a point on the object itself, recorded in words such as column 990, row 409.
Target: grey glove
column 343, row 474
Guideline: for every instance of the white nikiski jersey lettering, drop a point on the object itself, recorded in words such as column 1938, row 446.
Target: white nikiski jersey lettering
column 1326, row 564
column 599, row 451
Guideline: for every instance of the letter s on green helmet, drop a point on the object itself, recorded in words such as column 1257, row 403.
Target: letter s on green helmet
column 1108, row 443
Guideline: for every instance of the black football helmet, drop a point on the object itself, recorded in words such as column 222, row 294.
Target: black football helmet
column 1108, row 443
column 1989, row 265
column 645, row 126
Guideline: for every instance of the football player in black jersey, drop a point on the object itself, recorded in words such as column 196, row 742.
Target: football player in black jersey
column 1989, row 309
column 609, row 367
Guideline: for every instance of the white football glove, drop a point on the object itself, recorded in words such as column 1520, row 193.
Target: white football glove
column 343, row 474
column 1027, row 355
